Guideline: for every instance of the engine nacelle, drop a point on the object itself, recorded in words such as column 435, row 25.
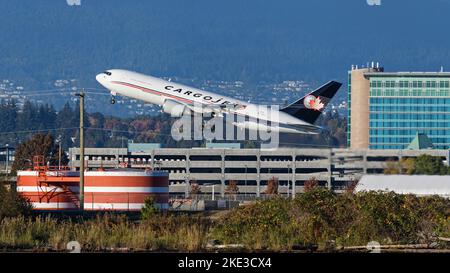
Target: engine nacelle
column 175, row 109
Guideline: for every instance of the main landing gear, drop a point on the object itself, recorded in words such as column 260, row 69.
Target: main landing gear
column 113, row 100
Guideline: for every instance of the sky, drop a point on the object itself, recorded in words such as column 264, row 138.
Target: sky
column 251, row 40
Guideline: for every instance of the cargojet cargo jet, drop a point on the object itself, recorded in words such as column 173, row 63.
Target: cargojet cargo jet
column 178, row 100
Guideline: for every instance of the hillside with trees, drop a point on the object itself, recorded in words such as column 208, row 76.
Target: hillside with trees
column 253, row 41
column 20, row 124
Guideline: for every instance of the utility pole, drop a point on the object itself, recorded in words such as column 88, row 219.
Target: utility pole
column 7, row 159
column 81, row 95
column 59, row 156
column 245, row 194
column 59, row 152
column 289, row 180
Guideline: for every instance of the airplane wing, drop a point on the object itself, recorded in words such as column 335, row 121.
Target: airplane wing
column 208, row 108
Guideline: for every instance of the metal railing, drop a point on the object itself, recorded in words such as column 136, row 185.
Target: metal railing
column 227, row 197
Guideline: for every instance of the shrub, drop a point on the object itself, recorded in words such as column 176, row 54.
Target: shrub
column 149, row 209
column 272, row 186
column 311, row 184
column 12, row 204
column 195, row 189
column 320, row 217
column 232, row 187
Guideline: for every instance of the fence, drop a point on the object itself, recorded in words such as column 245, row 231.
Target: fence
column 95, row 201
column 226, row 197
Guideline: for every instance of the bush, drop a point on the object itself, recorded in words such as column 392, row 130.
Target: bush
column 12, row 204
column 319, row 217
column 149, row 209
column 423, row 164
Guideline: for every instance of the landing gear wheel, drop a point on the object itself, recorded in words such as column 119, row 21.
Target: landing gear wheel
column 113, row 100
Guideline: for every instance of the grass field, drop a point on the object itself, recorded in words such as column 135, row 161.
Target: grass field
column 318, row 220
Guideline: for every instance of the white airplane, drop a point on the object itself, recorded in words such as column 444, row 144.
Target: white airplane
column 177, row 100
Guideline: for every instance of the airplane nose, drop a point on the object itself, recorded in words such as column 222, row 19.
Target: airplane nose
column 100, row 78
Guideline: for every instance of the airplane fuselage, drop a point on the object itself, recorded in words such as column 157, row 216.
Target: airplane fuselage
column 166, row 93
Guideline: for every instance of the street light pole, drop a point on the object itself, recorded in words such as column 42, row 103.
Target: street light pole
column 59, row 156
column 289, row 179
column 59, row 152
column 81, row 95
column 7, row 158
column 245, row 180
column 213, row 187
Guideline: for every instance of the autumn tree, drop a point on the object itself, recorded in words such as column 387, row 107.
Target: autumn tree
column 195, row 188
column 392, row 167
column 351, row 186
column 423, row 164
column 232, row 187
column 408, row 165
column 39, row 144
column 310, row 184
column 272, row 186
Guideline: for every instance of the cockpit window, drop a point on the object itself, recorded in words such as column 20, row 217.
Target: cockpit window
column 107, row 73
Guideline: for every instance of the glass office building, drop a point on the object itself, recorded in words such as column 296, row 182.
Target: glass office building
column 400, row 106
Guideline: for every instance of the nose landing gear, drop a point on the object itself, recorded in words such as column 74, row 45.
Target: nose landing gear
column 113, row 100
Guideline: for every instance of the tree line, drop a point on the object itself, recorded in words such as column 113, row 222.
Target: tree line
column 20, row 123
column 422, row 165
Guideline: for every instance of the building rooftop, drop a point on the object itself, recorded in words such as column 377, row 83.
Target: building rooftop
column 143, row 147
column 406, row 184
column 223, row 145
column 421, row 141
column 407, row 74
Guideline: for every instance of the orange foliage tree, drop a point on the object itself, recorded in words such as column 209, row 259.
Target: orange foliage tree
column 311, row 184
column 272, row 186
column 232, row 187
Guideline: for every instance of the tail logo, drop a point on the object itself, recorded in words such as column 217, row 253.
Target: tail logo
column 314, row 103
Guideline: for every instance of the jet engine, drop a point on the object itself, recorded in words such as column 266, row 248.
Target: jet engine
column 175, row 109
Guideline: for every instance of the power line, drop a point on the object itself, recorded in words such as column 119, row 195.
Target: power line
column 71, row 93
column 158, row 134
column 61, row 89
column 37, row 131
column 260, row 141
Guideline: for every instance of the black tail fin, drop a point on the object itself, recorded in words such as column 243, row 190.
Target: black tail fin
column 311, row 106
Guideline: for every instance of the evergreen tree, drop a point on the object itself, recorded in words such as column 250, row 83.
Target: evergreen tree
column 46, row 117
column 427, row 164
column 8, row 111
column 27, row 119
column 66, row 119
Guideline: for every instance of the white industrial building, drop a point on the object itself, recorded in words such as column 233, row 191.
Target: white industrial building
column 420, row 185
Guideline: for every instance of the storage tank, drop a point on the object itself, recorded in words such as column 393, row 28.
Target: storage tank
column 123, row 190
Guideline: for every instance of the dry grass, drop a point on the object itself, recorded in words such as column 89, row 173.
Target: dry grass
column 172, row 233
